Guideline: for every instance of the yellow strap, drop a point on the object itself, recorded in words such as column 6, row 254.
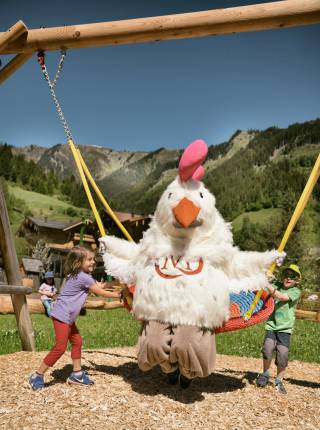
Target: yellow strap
column 304, row 198
column 101, row 197
column 86, row 187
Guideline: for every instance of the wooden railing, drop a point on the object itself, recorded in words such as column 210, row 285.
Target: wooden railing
column 14, row 289
column 94, row 303
column 309, row 309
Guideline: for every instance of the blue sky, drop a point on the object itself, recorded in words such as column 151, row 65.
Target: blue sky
column 165, row 94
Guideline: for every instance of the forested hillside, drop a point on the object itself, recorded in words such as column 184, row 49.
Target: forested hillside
column 270, row 172
column 267, row 172
column 17, row 168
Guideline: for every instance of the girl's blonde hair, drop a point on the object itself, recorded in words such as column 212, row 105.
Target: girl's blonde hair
column 75, row 260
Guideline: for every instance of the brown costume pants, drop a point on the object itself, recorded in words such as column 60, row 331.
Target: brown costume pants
column 189, row 348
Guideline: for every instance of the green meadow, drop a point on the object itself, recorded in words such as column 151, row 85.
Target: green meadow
column 260, row 217
column 42, row 205
column 104, row 329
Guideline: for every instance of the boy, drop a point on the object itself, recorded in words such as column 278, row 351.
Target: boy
column 280, row 325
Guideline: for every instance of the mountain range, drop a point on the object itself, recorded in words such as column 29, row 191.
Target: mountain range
column 119, row 172
column 252, row 166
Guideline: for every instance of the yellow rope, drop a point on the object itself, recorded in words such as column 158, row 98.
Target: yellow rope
column 86, row 187
column 304, row 198
column 101, row 197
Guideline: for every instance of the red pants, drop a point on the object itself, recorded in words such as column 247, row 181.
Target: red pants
column 64, row 332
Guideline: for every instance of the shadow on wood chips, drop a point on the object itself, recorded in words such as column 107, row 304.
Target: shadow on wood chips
column 154, row 382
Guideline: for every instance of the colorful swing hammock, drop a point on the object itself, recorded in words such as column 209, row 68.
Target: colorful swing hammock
column 239, row 305
column 246, row 309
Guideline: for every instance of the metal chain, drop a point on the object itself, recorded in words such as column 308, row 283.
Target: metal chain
column 53, row 94
column 60, row 65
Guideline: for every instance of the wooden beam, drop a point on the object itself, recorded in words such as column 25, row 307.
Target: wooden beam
column 12, row 34
column 86, row 238
column 35, row 305
column 11, row 267
column 307, row 315
column 13, row 65
column 14, row 289
column 102, row 305
column 187, row 25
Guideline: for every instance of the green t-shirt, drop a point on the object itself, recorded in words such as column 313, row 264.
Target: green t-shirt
column 283, row 317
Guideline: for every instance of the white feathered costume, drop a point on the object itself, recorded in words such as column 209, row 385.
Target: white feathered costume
column 184, row 269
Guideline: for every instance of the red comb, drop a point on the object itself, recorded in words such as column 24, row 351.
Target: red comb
column 190, row 166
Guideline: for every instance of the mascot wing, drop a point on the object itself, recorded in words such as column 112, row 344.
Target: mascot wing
column 119, row 257
column 248, row 269
column 247, row 263
column 248, row 283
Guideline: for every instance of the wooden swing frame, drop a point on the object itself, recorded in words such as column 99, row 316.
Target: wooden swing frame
column 22, row 42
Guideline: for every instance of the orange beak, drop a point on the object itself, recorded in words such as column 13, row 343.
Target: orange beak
column 185, row 212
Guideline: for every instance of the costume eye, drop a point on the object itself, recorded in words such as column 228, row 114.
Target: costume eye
column 169, row 195
column 201, row 195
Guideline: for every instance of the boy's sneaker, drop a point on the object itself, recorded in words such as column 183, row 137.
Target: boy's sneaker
column 79, row 378
column 262, row 380
column 280, row 387
column 36, row 381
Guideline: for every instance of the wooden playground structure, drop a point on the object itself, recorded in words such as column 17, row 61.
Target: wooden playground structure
column 24, row 42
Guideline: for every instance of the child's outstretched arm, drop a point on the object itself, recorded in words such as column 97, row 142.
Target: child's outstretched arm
column 99, row 291
column 283, row 297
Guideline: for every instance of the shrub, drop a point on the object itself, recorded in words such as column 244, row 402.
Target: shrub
column 70, row 211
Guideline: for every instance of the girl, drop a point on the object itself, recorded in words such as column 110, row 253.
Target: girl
column 79, row 282
column 48, row 290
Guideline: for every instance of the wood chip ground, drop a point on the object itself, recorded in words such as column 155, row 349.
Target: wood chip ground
column 125, row 398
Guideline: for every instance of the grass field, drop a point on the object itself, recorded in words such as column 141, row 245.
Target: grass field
column 260, row 217
column 41, row 205
column 20, row 242
column 309, row 220
column 102, row 329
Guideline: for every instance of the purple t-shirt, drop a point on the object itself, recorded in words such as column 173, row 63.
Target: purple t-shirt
column 72, row 297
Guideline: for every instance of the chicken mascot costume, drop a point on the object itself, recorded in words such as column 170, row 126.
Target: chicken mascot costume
column 184, row 269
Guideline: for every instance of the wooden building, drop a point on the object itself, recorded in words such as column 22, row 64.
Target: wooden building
column 58, row 232
column 134, row 223
column 51, row 241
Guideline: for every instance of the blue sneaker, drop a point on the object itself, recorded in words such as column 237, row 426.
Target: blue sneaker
column 36, row 381
column 262, row 380
column 83, row 378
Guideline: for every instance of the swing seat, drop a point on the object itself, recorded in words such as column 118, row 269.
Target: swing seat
column 239, row 305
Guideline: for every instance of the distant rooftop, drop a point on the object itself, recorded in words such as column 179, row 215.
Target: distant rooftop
column 32, row 265
column 57, row 225
column 125, row 216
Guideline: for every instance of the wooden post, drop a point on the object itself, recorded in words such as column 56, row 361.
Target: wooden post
column 256, row 17
column 13, row 65
column 11, row 266
column 12, row 34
